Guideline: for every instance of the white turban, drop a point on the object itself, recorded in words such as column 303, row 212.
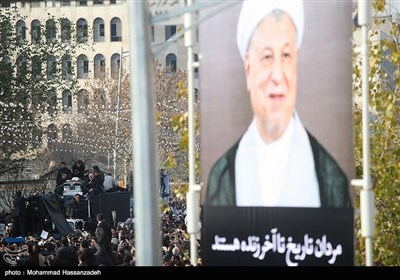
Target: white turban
column 253, row 11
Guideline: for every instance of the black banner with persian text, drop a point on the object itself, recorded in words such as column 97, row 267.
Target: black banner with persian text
column 277, row 236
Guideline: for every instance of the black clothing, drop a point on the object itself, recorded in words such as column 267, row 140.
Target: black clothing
column 333, row 183
column 78, row 171
column 65, row 170
column 19, row 214
column 103, row 234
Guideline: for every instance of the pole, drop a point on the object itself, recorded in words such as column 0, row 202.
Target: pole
column 192, row 195
column 147, row 225
column 117, row 109
column 366, row 194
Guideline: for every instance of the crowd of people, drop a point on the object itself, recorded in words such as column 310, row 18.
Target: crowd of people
column 102, row 244
column 94, row 182
column 92, row 243
column 94, row 179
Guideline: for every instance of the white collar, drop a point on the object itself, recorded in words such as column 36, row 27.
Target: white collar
column 281, row 173
column 276, row 152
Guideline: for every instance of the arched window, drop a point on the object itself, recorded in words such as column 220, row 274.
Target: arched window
column 67, row 101
column 51, row 31
column 82, row 67
column 51, row 67
column 36, row 67
column 99, row 66
column 115, row 65
column 196, row 69
column 52, row 103
column 170, row 62
column 196, row 94
column 47, row 4
column 66, row 70
column 65, row 31
column 5, row 3
column 51, row 135
column 21, row 66
column 35, row 31
column 81, row 30
column 98, row 30
column 21, row 32
column 5, row 32
column 67, row 133
column 115, row 30
column 6, row 70
column 83, row 101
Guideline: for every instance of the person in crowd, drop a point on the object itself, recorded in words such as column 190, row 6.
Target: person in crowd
column 19, row 214
column 103, row 231
column 74, row 208
column 90, row 258
column 98, row 181
column 162, row 182
column 109, row 183
column 78, row 169
column 34, row 258
column 66, row 255
column 103, row 237
column 82, row 259
column 63, row 170
column 64, row 178
column 93, row 185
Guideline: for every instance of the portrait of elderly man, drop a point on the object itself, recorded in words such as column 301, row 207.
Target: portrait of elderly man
column 276, row 162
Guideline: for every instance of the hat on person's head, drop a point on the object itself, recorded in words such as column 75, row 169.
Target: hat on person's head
column 96, row 168
column 253, row 11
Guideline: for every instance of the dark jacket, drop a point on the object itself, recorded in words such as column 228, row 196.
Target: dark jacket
column 333, row 183
column 78, row 171
column 98, row 183
column 19, row 207
column 73, row 208
column 66, row 256
column 103, row 234
column 65, row 170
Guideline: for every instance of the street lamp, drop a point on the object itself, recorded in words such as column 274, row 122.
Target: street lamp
column 117, row 110
column 154, row 47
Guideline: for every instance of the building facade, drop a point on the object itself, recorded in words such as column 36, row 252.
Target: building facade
column 103, row 26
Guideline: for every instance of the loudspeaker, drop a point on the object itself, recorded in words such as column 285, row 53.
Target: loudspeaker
column 105, row 203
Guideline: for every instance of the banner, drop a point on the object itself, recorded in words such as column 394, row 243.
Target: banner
column 263, row 236
column 324, row 83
